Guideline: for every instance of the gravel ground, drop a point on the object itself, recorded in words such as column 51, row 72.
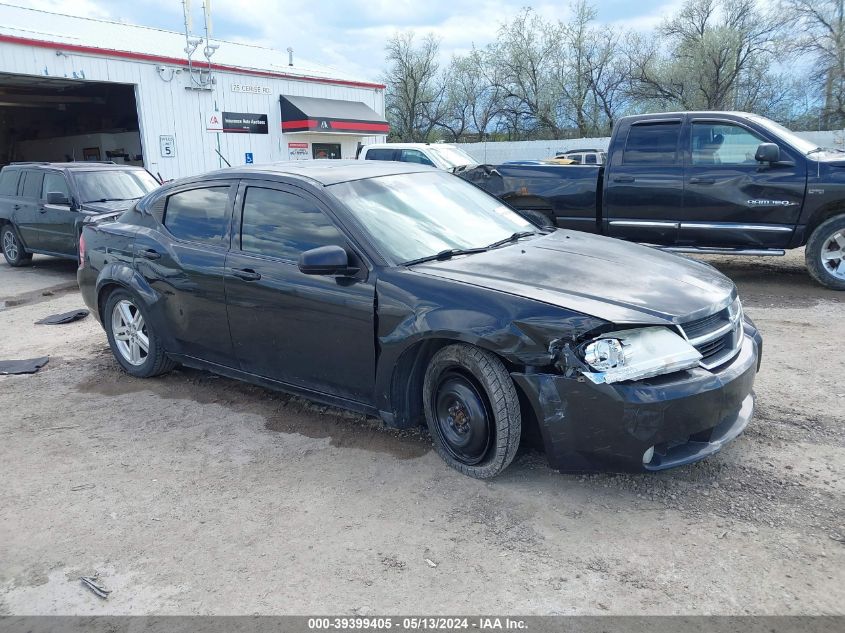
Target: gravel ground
column 194, row 494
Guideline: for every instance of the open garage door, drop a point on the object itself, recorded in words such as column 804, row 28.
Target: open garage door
column 47, row 119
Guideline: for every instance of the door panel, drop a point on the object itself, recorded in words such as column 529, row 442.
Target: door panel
column 185, row 264
column 57, row 221
column 731, row 200
column 644, row 186
column 312, row 331
column 27, row 215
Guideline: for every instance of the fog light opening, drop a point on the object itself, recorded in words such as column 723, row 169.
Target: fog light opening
column 647, row 456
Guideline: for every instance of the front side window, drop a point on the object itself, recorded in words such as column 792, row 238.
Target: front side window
column 31, row 187
column 283, row 225
column 54, row 183
column 106, row 186
column 652, row 144
column 723, row 144
column 198, row 215
column 415, row 156
column 410, row 216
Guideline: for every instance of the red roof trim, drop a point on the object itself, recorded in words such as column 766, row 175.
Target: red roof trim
column 352, row 125
column 107, row 52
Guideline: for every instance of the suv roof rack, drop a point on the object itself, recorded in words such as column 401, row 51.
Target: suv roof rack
column 30, row 162
column 73, row 162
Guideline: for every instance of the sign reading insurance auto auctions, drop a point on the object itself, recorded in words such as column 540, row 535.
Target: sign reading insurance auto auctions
column 236, row 122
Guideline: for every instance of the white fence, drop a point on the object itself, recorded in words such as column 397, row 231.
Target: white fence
column 500, row 152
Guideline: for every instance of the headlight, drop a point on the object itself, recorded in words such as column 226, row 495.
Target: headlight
column 637, row 354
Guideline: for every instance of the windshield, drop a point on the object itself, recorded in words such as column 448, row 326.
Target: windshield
column 96, row 186
column 452, row 156
column 411, row 216
column 802, row 145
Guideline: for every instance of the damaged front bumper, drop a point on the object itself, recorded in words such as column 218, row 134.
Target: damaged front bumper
column 683, row 417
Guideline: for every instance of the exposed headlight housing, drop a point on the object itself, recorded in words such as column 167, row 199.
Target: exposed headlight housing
column 637, row 354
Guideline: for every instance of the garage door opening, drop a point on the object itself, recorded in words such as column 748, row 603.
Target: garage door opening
column 47, row 119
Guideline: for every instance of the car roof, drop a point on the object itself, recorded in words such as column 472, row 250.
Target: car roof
column 77, row 166
column 322, row 172
column 408, row 145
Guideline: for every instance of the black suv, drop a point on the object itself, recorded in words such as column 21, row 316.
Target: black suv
column 43, row 205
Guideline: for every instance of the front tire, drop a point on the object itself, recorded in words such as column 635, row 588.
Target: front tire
column 825, row 253
column 13, row 249
column 472, row 410
column 135, row 345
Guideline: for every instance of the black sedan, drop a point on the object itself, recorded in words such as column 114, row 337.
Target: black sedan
column 407, row 293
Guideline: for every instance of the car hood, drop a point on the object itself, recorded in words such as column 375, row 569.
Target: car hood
column 606, row 278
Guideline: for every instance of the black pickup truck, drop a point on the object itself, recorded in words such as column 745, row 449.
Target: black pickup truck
column 43, row 205
column 695, row 182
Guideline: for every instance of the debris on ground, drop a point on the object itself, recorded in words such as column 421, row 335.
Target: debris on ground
column 64, row 317
column 28, row 366
column 92, row 583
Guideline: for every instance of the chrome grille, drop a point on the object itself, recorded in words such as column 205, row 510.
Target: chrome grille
column 717, row 336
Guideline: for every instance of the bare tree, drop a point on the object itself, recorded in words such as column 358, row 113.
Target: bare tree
column 821, row 29
column 715, row 49
column 415, row 100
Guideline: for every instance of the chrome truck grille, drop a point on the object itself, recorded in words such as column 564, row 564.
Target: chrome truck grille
column 717, row 336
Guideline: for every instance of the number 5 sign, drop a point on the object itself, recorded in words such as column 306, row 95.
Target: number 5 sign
column 167, row 143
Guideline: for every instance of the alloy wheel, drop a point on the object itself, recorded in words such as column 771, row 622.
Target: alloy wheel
column 833, row 255
column 10, row 245
column 130, row 332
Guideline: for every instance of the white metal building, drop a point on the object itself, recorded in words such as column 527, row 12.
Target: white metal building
column 82, row 89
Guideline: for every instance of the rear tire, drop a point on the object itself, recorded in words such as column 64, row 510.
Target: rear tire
column 825, row 253
column 13, row 249
column 472, row 410
column 134, row 343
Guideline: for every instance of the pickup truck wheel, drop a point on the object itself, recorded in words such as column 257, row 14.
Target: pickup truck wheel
column 825, row 253
column 131, row 337
column 472, row 410
column 13, row 250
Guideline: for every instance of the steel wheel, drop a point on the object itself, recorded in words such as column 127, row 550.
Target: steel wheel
column 10, row 245
column 833, row 255
column 130, row 332
column 463, row 421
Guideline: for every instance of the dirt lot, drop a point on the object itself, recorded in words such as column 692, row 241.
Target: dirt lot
column 199, row 495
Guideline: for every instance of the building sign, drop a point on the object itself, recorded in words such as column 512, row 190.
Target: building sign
column 298, row 151
column 236, row 122
column 167, row 145
column 255, row 90
column 248, row 157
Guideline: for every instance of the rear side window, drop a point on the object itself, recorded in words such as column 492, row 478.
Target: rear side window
column 31, row 187
column 652, row 144
column 280, row 224
column 380, row 154
column 9, row 182
column 198, row 215
column 54, row 182
column 591, row 159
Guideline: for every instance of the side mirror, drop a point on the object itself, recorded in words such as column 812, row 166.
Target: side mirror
column 767, row 153
column 57, row 197
column 325, row 260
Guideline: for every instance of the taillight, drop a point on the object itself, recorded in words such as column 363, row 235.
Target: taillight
column 81, row 250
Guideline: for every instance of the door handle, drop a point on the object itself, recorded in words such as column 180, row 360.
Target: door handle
column 247, row 274
column 42, row 209
column 702, row 181
column 16, row 207
column 150, row 254
column 623, row 179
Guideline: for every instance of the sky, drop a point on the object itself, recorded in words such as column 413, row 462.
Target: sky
column 350, row 35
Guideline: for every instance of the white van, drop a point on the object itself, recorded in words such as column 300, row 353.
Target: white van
column 440, row 155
